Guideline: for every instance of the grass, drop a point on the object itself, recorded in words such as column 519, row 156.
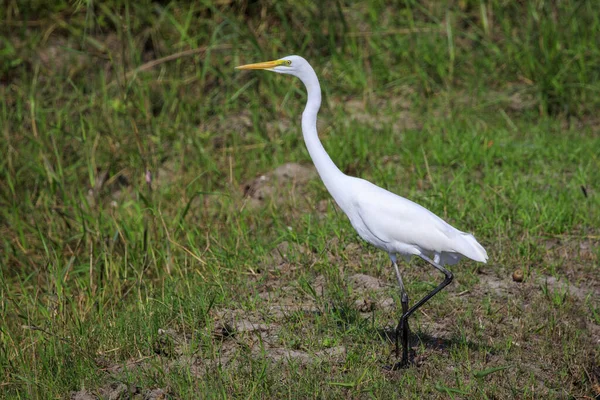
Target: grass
column 206, row 280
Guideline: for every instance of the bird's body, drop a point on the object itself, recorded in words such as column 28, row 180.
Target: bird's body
column 399, row 226
column 387, row 221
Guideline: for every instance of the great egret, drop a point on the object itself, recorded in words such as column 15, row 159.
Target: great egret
column 387, row 221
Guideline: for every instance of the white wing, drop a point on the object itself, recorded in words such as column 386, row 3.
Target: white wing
column 400, row 223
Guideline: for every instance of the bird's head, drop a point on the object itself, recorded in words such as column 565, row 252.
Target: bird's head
column 292, row 65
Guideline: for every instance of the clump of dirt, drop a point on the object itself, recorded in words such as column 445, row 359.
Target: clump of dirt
column 271, row 186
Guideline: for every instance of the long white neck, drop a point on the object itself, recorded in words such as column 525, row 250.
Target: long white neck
column 330, row 174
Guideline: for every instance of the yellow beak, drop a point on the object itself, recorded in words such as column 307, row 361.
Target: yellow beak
column 261, row 65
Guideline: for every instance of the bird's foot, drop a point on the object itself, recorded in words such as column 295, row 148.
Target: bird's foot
column 406, row 360
column 401, row 365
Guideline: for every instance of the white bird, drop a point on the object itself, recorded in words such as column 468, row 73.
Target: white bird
column 387, row 221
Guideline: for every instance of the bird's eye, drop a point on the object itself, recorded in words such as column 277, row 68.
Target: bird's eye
column 288, row 62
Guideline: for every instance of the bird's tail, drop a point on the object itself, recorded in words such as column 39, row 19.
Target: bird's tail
column 470, row 247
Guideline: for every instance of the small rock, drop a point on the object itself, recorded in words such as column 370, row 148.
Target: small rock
column 518, row 275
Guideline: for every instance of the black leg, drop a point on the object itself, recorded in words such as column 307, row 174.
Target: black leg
column 402, row 330
column 405, row 329
column 403, row 324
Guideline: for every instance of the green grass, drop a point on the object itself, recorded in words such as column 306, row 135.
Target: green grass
column 483, row 112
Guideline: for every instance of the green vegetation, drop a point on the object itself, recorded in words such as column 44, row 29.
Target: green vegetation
column 208, row 281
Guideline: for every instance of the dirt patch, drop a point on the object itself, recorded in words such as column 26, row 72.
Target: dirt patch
column 501, row 283
column 496, row 282
column 437, row 334
column 284, row 310
column 284, row 258
column 577, row 292
column 240, row 123
column 577, row 252
column 117, row 391
column 259, row 335
column 363, row 283
column 401, row 118
column 334, row 354
column 370, row 293
column 508, row 331
column 245, row 325
column 232, row 322
column 242, row 335
column 83, row 395
column 517, row 98
column 272, row 186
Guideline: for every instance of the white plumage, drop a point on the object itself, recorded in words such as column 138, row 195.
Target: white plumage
column 399, row 226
